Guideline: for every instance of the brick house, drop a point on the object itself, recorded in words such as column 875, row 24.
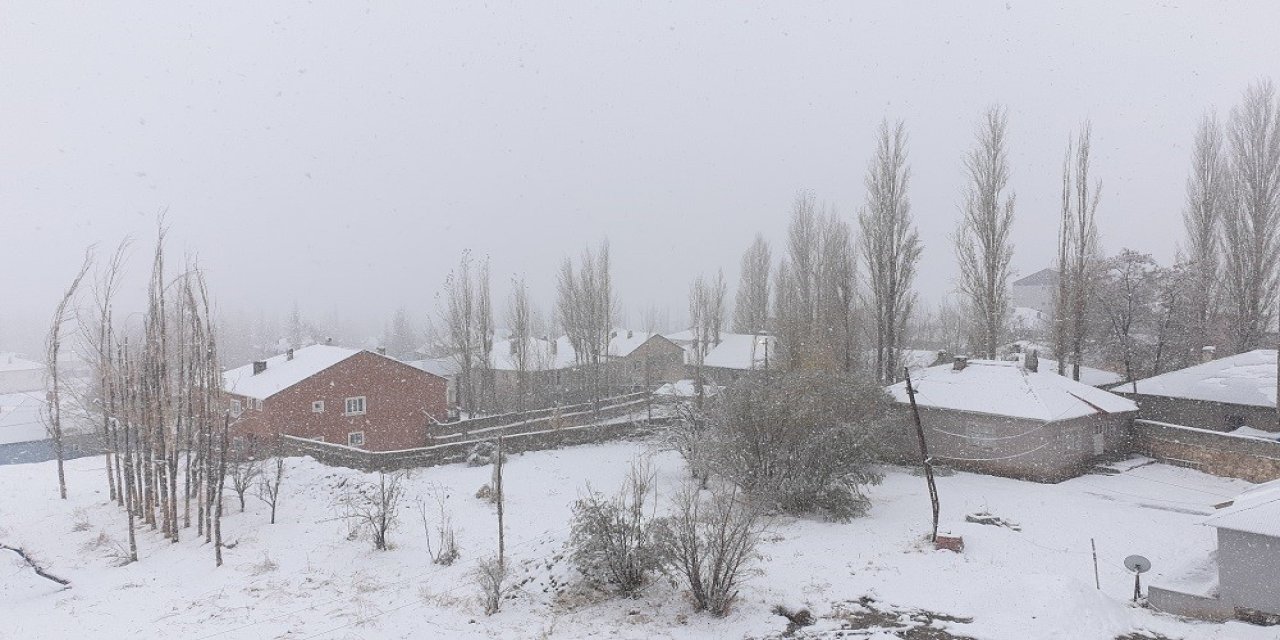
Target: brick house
column 344, row 396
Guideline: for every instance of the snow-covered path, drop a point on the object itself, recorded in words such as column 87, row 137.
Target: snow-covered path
column 303, row 578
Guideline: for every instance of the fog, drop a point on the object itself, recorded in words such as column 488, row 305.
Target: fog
column 344, row 155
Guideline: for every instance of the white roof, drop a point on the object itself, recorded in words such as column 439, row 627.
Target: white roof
column 1246, row 378
column 1006, row 389
column 1091, row 376
column 742, row 351
column 22, row 417
column 11, row 362
column 1257, row 510
column 283, row 373
column 621, row 345
column 443, row 367
column 686, row 389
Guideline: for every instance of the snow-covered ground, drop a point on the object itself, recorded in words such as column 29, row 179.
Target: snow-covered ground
column 302, row 577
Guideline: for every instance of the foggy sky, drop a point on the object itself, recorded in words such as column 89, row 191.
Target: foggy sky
column 344, row 154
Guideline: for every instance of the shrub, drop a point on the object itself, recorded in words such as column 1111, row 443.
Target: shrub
column 802, row 443
column 709, row 544
column 612, row 539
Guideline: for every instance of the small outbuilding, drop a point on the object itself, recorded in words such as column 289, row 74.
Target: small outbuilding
column 1232, row 394
column 1011, row 419
column 1248, row 564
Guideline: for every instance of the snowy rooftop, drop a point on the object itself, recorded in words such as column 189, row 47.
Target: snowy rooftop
column 1246, row 378
column 686, row 389
column 21, row 417
column 1257, row 510
column 1007, row 389
column 282, row 373
column 443, row 367
column 11, row 362
column 742, row 351
column 1088, row 375
column 1043, row 277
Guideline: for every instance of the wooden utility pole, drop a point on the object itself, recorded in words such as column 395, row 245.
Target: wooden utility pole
column 924, row 454
column 497, row 491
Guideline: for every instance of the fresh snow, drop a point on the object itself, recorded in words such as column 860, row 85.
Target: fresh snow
column 1005, row 388
column 1247, row 378
column 282, row 372
column 1256, row 510
column 303, row 578
column 21, row 417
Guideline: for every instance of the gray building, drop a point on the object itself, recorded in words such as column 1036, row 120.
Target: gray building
column 1235, row 393
column 1035, row 291
column 1247, row 580
column 1011, row 419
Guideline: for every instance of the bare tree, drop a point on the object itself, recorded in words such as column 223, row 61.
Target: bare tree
column 269, row 484
column 587, row 310
column 520, row 323
column 444, row 550
column 461, row 333
column 1208, row 195
column 491, row 576
column 1077, row 249
column 55, row 384
column 890, row 246
column 751, row 309
column 1251, row 226
column 374, row 508
column 484, row 337
column 1126, row 300
column 245, row 469
column 983, row 243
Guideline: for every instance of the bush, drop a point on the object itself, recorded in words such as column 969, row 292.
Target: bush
column 491, row 577
column 709, row 544
column 373, row 508
column 612, row 539
column 802, row 443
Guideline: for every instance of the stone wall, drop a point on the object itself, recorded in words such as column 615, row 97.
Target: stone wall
column 1220, row 454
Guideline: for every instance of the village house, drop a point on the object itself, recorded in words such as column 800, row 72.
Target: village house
column 332, row 394
column 1235, row 394
column 644, row 360
column 1011, row 419
column 19, row 374
column 1240, row 580
column 1036, row 291
column 728, row 358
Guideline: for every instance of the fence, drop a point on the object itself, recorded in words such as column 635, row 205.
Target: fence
column 1222, row 454
column 506, row 419
column 546, row 432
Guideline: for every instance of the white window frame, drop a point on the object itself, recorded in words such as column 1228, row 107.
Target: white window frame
column 236, row 408
column 364, row 406
column 317, row 406
column 352, row 435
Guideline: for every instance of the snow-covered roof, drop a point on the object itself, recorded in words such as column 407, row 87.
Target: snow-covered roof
column 622, row 344
column 1040, row 278
column 686, row 389
column 443, row 367
column 282, row 373
column 21, row 417
column 1257, row 510
column 1091, row 376
column 1007, row 389
column 1246, row 378
column 11, row 362
column 742, row 351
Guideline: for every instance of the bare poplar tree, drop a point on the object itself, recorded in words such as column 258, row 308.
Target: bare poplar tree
column 461, row 333
column 983, row 243
column 587, row 309
column 484, row 337
column 1077, row 249
column 1251, row 224
column 520, row 323
column 1062, row 293
column 890, row 246
column 55, row 384
column 1208, row 193
column 751, row 309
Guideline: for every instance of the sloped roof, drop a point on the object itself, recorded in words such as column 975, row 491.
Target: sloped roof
column 1040, row 278
column 1257, row 510
column 742, row 351
column 443, row 367
column 1247, row 378
column 11, row 362
column 1091, row 376
column 282, row 373
column 1007, row 389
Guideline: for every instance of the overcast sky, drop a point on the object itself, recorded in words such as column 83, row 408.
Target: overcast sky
column 344, row 154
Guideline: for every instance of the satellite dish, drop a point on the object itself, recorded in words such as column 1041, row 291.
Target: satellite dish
column 1137, row 564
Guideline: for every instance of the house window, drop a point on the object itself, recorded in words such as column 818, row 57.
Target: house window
column 236, row 408
column 317, row 406
column 355, row 407
column 257, row 404
column 355, row 439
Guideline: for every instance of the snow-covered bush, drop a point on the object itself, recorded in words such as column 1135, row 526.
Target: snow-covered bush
column 373, row 508
column 491, row 577
column 709, row 542
column 612, row 538
column 803, row 443
column 482, row 453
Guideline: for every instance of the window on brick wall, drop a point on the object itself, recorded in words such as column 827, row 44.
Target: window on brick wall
column 317, row 406
column 355, row 439
column 236, row 408
column 355, row 406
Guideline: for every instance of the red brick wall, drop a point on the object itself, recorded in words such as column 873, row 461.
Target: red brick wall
column 398, row 400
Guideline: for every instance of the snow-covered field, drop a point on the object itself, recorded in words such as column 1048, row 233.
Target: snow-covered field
column 302, row 577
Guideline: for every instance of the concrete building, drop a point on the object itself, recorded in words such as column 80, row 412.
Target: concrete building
column 1036, row 291
column 1246, row 582
column 1232, row 394
column 344, row 396
column 1010, row 419
column 731, row 357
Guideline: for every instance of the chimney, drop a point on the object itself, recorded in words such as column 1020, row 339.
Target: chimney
column 288, row 354
column 1207, row 353
column 328, row 340
column 382, row 351
column 960, row 363
column 554, row 345
column 1032, row 361
column 259, row 366
column 514, row 346
column 942, row 358
column 629, row 333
